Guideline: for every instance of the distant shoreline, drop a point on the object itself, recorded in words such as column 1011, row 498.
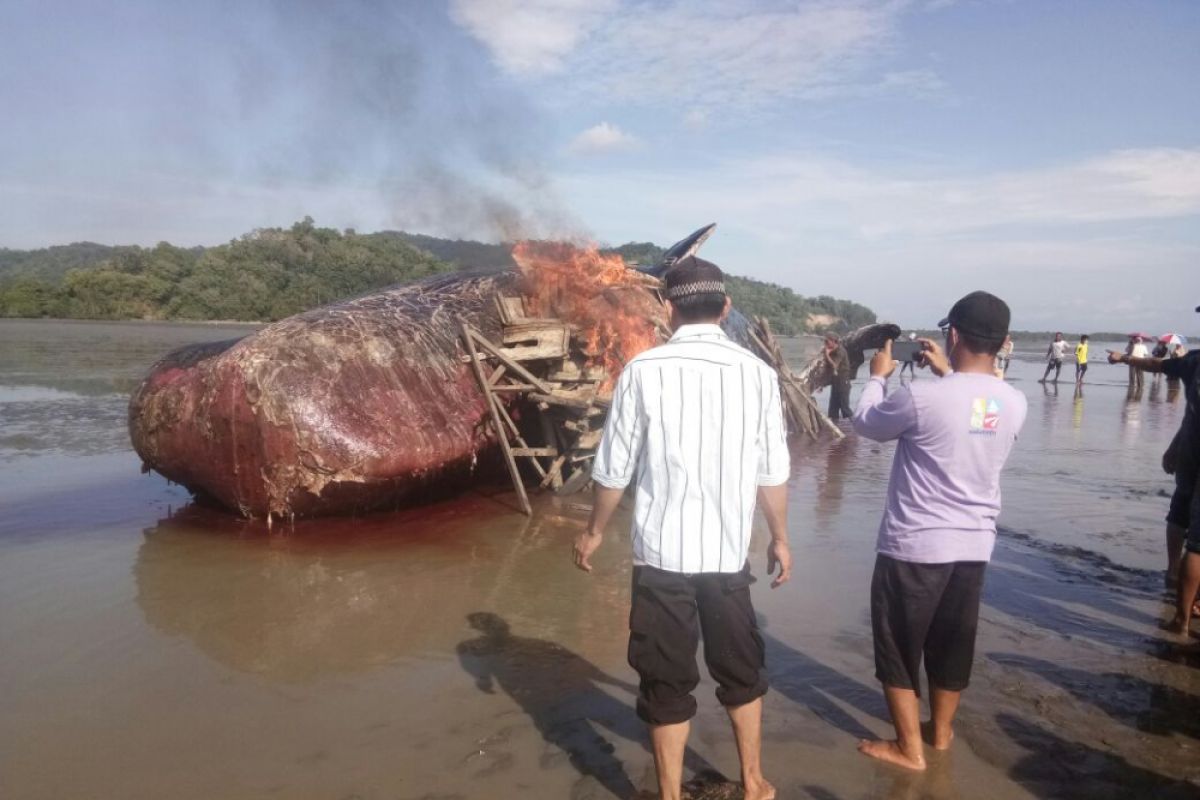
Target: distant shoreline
column 241, row 323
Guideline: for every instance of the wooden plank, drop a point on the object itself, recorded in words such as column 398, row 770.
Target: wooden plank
column 497, row 375
column 494, row 406
column 554, row 474
column 514, row 387
column 525, row 374
column 519, row 439
column 556, row 399
column 545, row 452
column 514, row 308
column 589, row 440
column 535, row 352
column 578, row 481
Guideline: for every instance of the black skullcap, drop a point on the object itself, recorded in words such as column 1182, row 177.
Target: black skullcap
column 694, row 276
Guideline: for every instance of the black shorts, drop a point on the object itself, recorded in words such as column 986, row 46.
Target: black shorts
column 1180, row 511
column 1080, row 369
column 668, row 614
column 929, row 610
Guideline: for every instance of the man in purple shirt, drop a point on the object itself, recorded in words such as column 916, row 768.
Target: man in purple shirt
column 952, row 438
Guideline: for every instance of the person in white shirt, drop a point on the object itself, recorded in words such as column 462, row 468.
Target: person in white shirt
column 1055, row 356
column 696, row 425
column 1136, row 349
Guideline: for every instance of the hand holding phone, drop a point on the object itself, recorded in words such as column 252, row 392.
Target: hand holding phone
column 906, row 350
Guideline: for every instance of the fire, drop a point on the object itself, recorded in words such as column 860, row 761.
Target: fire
column 615, row 313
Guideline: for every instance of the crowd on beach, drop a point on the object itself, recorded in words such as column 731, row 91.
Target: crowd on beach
column 696, row 430
column 1167, row 346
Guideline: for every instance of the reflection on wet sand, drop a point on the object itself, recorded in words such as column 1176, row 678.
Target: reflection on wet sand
column 831, row 481
column 334, row 596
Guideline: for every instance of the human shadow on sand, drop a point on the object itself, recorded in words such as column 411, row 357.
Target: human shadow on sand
column 1058, row 768
column 822, row 689
column 1056, row 594
column 560, row 692
column 1144, row 706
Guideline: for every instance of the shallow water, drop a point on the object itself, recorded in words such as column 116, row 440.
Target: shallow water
column 156, row 649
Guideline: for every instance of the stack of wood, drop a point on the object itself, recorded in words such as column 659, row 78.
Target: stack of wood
column 539, row 361
column 800, row 410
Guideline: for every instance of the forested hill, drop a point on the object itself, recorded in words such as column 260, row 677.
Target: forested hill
column 275, row 272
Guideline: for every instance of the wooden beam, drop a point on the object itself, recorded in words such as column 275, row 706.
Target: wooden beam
column 514, row 387
column 579, row 479
column 525, row 374
column 494, row 407
column 517, row 436
column 554, row 474
column 556, row 399
column 545, row 452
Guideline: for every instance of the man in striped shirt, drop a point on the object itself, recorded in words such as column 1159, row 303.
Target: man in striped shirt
column 696, row 425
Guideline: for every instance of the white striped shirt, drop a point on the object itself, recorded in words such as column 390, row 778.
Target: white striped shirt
column 697, row 422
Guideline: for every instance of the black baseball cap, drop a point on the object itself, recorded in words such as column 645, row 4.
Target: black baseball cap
column 980, row 314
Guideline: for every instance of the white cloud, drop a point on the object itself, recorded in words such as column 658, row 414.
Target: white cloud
column 777, row 190
column 697, row 118
column 602, row 138
column 529, row 37
column 701, row 53
column 902, row 241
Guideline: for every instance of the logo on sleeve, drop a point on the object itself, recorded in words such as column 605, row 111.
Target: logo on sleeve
column 985, row 415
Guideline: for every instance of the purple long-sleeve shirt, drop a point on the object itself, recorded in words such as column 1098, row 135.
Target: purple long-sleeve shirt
column 953, row 436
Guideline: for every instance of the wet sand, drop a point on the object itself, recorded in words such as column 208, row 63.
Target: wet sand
column 154, row 649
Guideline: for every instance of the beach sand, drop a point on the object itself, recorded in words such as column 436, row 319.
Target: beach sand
column 153, row 648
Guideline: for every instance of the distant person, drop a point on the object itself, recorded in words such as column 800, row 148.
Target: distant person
column 1136, row 349
column 1178, row 350
column 1055, row 355
column 839, row 368
column 1081, row 359
column 1160, row 351
column 1004, row 357
column 909, row 365
column 1183, row 460
column 697, row 423
column 939, row 523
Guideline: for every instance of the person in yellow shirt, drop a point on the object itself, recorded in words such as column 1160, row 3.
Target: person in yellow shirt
column 1081, row 353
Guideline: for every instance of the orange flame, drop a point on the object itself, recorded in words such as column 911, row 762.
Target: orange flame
column 611, row 305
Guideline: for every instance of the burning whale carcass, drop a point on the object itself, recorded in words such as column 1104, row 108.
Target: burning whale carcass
column 379, row 400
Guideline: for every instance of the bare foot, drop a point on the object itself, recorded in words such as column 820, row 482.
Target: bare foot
column 1177, row 626
column 943, row 741
column 760, row 791
column 890, row 752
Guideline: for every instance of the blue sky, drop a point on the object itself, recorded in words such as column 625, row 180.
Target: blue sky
column 896, row 152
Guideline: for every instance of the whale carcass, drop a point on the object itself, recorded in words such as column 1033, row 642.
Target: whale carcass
column 371, row 402
column 368, row 403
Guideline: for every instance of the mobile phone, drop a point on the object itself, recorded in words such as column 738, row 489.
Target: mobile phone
column 905, row 350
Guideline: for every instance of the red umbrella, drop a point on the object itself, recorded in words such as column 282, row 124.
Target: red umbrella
column 1172, row 338
column 1141, row 335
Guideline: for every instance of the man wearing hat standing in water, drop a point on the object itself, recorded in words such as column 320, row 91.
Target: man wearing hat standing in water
column 697, row 425
column 952, row 438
